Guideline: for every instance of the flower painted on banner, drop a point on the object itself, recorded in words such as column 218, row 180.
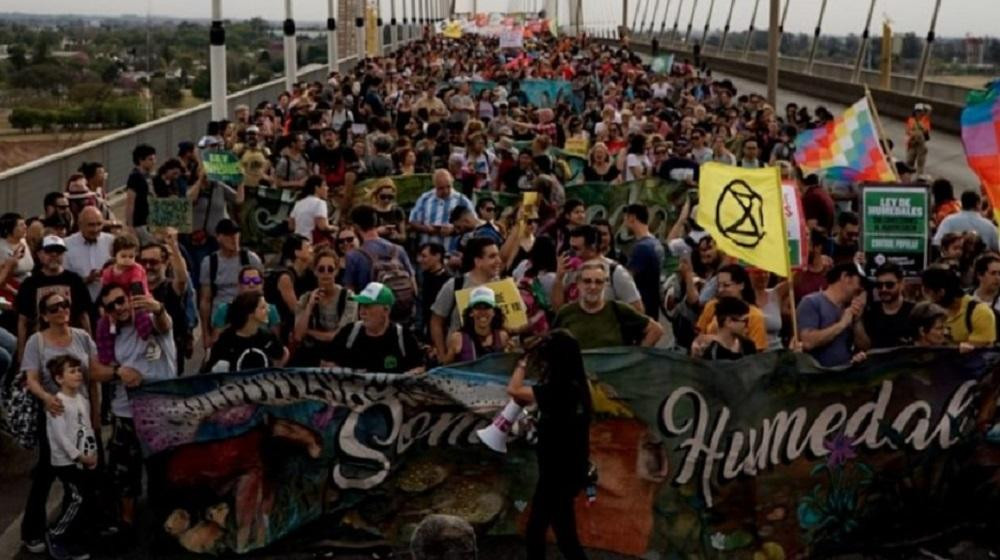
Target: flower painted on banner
column 718, row 541
column 841, row 451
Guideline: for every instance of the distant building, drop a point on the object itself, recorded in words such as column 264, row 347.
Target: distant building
column 975, row 50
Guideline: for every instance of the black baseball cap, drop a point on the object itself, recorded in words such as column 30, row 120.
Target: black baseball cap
column 226, row 227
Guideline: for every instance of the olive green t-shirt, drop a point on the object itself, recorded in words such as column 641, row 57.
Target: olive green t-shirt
column 597, row 330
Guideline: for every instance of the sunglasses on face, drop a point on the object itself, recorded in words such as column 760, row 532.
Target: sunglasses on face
column 115, row 303
column 592, row 281
column 57, row 306
column 489, row 209
column 326, row 269
column 252, row 281
column 345, row 240
column 387, row 197
column 150, row 263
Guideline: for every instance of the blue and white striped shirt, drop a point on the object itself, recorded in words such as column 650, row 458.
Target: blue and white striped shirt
column 434, row 211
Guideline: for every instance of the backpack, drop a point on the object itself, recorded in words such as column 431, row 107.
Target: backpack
column 356, row 330
column 389, row 270
column 21, row 409
column 213, row 267
column 968, row 316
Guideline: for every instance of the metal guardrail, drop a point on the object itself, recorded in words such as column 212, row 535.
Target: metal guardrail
column 23, row 188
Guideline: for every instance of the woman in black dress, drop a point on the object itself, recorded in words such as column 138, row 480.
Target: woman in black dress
column 563, row 398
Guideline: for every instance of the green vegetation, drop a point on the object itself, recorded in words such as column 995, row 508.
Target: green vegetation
column 66, row 73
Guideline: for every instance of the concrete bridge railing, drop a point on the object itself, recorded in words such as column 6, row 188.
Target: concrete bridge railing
column 23, row 188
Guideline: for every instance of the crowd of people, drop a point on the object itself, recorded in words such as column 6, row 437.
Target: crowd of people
column 93, row 305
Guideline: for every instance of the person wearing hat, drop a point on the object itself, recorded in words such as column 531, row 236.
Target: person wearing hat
column 219, row 274
column 482, row 330
column 918, row 133
column 375, row 343
column 502, row 119
column 255, row 159
column 50, row 276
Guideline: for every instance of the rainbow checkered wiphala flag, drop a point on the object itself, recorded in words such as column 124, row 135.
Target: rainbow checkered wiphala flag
column 846, row 149
column 981, row 138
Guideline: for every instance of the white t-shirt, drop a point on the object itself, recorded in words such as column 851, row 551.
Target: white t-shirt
column 70, row 434
column 305, row 213
column 635, row 160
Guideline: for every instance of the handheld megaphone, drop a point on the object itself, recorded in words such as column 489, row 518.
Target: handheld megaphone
column 495, row 435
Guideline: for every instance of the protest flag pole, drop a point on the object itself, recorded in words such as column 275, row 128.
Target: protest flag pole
column 881, row 133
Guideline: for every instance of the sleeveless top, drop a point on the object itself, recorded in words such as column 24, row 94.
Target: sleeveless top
column 772, row 319
column 473, row 349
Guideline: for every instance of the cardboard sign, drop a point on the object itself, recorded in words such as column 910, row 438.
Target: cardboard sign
column 894, row 227
column 174, row 211
column 508, row 300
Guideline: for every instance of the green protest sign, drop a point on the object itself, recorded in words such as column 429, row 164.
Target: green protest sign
column 894, row 227
column 223, row 166
column 174, row 211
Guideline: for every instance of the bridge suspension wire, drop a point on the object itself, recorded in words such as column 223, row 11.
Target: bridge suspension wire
column 677, row 21
column 753, row 21
column 925, row 56
column 863, row 47
column 687, row 34
column 815, row 40
column 725, row 30
column 708, row 21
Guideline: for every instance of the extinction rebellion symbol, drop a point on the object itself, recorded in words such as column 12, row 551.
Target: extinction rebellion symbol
column 739, row 214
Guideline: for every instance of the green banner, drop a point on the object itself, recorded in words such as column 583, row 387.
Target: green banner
column 223, row 166
column 766, row 456
column 894, row 227
column 174, row 211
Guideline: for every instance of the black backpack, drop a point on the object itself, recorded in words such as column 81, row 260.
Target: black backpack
column 390, row 271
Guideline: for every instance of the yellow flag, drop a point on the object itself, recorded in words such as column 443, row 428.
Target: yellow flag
column 743, row 211
column 453, row 29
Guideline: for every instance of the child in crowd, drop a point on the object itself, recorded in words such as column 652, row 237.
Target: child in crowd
column 124, row 271
column 74, row 455
column 730, row 342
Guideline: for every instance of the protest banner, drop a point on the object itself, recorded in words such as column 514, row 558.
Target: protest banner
column 263, row 217
column 508, row 300
column 547, row 93
column 577, row 146
column 174, row 211
column 894, row 227
column 512, row 38
column 767, row 457
column 798, row 233
column 223, row 166
column 663, row 64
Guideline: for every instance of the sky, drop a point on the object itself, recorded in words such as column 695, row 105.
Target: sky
column 957, row 17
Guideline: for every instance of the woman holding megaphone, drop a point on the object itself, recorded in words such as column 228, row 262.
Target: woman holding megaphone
column 563, row 397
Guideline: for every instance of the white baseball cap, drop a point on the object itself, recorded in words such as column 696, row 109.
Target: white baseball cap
column 50, row 242
column 482, row 296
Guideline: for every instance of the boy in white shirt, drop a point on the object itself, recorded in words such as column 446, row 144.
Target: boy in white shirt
column 74, row 456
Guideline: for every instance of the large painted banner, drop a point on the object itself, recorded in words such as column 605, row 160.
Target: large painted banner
column 769, row 457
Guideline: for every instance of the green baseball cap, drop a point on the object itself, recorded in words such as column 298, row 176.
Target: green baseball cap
column 376, row 293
